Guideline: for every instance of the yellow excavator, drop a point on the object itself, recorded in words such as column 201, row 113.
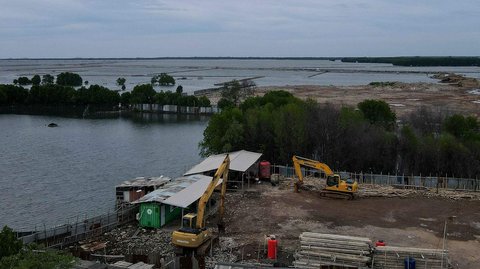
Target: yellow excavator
column 334, row 185
column 193, row 232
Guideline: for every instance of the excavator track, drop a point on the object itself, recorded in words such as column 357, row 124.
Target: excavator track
column 337, row 195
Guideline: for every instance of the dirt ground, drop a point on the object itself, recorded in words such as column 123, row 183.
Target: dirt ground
column 461, row 96
column 416, row 221
column 403, row 98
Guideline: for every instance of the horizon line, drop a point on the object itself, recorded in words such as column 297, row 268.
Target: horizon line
column 232, row 57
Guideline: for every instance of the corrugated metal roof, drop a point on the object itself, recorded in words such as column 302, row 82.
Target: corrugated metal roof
column 191, row 193
column 179, row 192
column 145, row 182
column 239, row 161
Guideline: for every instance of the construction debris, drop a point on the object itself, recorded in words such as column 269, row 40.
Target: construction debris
column 222, row 253
column 137, row 241
column 318, row 250
column 374, row 190
column 367, row 190
column 395, row 258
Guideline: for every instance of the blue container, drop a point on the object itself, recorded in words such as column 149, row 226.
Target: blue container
column 409, row 263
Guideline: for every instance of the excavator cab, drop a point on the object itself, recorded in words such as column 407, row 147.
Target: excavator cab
column 189, row 220
column 333, row 180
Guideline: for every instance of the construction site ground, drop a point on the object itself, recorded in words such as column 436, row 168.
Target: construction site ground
column 400, row 217
column 411, row 220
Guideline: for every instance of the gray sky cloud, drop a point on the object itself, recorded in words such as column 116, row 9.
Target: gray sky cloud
column 151, row 28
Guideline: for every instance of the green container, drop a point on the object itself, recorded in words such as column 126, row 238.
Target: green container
column 150, row 215
column 155, row 215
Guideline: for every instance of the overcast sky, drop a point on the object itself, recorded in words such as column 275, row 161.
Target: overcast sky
column 156, row 28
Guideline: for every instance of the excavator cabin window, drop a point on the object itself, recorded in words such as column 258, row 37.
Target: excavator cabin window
column 333, row 180
column 189, row 222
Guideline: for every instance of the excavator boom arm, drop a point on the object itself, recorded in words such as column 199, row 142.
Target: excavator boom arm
column 222, row 172
column 298, row 162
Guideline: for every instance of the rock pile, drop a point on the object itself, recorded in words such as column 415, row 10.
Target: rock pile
column 309, row 183
column 223, row 253
column 133, row 240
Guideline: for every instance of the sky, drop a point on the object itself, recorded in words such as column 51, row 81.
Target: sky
column 261, row 28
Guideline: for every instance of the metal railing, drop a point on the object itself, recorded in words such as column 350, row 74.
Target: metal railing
column 441, row 182
column 81, row 229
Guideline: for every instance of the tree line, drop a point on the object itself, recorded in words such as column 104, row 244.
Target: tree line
column 366, row 138
column 418, row 60
column 47, row 91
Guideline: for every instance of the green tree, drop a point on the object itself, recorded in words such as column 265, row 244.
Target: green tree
column 48, row 79
column 3, row 97
column 165, row 79
column 15, row 95
column 69, row 79
column 203, row 101
column 125, row 98
column 97, row 95
column 224, row 103
column 143, row 94
column 154, row 80
column 36, row 80
column 463, row 127
column 9, row 244
column 121, row 83
column 223, row 133
column 51, row 94
column 24, row 81
column 179, row 89
column 231, row 92
column 378, row 112
column 35, row 258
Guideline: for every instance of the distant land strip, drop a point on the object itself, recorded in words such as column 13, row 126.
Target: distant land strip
column 399, row 61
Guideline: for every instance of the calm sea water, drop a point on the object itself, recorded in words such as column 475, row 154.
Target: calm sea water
column 52, row 174
column 200, row 74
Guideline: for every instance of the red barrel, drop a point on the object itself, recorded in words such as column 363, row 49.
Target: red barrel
column 264, row 168
column 272, row 249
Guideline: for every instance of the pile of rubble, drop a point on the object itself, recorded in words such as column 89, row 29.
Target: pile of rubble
column 309, row 183
column 399, row 191
column 456, row 79
column 385, row 191
column 223, row 253
column 133, row 240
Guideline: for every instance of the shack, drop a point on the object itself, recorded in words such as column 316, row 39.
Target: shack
column 168, row 203
column 132, row 190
